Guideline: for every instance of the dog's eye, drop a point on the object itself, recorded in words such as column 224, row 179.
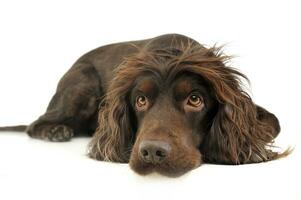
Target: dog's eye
column 195, row 100
column 141, row 103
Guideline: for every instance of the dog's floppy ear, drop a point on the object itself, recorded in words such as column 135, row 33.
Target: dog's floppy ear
column 115, row 134
column 237, row 135
column 112, row 140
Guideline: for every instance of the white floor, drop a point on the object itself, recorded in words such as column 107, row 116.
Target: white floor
column 33, row 169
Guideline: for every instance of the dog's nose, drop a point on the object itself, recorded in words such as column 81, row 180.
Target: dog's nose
column 153, row 151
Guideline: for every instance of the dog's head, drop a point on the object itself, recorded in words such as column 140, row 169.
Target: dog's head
column 169, row 110
column 171, row 116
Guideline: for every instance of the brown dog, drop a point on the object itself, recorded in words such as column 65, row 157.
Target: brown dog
column 164, row 104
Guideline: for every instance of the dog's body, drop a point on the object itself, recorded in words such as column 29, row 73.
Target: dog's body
column 86, row 99
column 79, row 92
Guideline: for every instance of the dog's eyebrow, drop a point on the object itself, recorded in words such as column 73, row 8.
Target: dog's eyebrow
column 147, row 86
column 184, row 87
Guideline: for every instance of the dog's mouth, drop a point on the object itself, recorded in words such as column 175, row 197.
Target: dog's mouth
column 165, row 170
column 169, row 168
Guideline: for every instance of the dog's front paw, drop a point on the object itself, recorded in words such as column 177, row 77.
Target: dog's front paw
column 60, row 133
column 51, row 132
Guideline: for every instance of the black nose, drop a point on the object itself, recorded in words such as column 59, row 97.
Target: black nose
column 153, row 151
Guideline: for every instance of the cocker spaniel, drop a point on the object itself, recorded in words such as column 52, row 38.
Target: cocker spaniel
column 165, row 104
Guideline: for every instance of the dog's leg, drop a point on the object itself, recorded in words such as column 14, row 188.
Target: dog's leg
column 73, row 108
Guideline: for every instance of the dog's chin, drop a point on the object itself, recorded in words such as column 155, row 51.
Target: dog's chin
column 165, row 169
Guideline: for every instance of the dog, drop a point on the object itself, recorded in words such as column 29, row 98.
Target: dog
column 165, row 104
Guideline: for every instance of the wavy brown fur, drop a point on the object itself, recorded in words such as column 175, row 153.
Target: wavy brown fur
column 237, row 134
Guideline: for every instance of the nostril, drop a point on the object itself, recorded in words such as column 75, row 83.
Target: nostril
column 144, row 152
column 160, row 153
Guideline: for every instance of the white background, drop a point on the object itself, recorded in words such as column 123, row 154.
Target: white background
column 40, row 40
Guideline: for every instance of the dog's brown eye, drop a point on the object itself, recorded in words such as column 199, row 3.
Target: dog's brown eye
column 141, row 102
column 195, row 100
